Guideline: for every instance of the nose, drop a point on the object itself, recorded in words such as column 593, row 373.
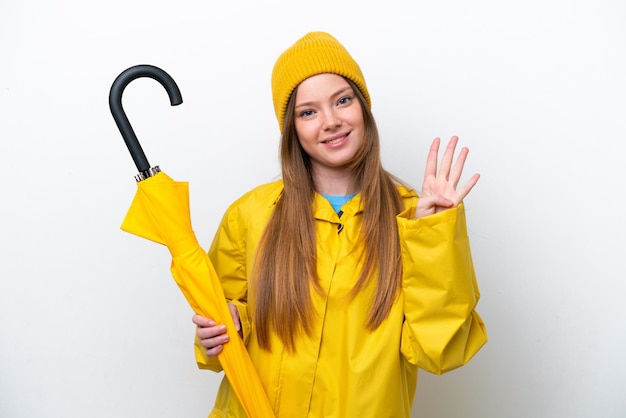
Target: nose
column 331, row 119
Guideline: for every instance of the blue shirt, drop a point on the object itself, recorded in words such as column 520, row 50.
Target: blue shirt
column 338, row 201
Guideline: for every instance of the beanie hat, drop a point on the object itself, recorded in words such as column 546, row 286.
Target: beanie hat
column 314, row 53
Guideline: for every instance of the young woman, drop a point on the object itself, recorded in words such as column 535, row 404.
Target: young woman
column 341, row 280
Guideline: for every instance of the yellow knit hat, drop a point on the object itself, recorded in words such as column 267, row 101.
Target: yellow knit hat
column 314, row 53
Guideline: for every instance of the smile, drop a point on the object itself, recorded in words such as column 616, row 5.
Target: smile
column 336, row 139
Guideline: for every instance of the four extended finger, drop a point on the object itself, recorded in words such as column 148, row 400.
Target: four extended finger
column 448, row 156
column 457, row 170
column 464, row 191
column 447, row 174
column 431, row 160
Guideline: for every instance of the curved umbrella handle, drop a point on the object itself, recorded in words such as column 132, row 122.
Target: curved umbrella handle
column 115, row 104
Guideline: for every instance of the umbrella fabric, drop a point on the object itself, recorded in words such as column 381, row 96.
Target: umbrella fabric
column 160, row 212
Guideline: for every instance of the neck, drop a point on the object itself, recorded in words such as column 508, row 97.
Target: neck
column 339, row 182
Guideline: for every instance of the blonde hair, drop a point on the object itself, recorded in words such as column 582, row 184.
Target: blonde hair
column 285, row 265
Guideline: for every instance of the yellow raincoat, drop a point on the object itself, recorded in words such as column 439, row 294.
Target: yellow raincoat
column 343, row 370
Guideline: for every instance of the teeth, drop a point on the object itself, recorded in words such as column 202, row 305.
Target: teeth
column 332, row 141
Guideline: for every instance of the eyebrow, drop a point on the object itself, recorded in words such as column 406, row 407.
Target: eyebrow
column 337, row 93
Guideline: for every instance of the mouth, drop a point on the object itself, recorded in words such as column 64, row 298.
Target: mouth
column 336, row 139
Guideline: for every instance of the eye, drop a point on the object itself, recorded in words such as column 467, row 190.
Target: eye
column 306, row 113
column 344, row 100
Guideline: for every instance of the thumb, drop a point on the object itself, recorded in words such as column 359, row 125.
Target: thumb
column 434, row 201
column 235, row 314
column 431, row 204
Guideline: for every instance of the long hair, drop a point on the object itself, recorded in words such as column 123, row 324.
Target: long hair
column 285, row 266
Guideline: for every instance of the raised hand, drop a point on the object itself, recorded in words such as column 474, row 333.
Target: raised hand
column 439, row 191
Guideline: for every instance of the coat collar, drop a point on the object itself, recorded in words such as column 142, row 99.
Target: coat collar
column 323, row 210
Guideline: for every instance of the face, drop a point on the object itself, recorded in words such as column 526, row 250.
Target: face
column 328, row 121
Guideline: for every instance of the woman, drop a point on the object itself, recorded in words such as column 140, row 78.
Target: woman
column 341, row 280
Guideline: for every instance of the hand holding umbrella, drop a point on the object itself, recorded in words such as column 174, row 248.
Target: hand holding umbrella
column 160, row 212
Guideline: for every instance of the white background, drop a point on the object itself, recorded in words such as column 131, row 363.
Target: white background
column 93, row 325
